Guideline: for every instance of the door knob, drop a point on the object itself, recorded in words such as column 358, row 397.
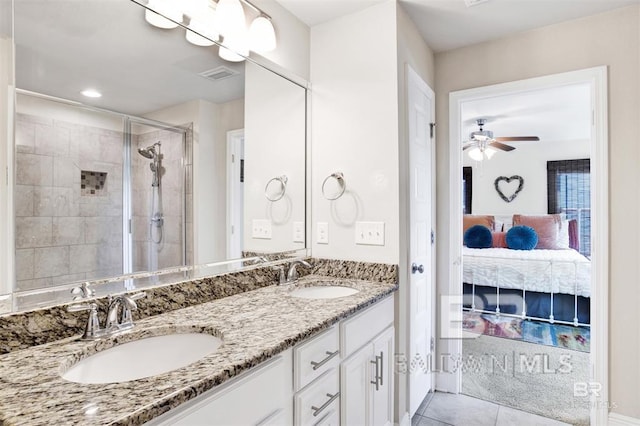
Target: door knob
column 417, row 268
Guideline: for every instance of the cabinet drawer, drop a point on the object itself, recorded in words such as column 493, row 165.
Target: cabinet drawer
column 254, row 398
column 357, row 331
column 318, row 399
column 316, row 356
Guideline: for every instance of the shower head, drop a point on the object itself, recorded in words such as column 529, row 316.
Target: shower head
column 148, row 152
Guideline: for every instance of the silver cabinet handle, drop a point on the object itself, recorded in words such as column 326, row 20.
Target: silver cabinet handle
column 377, row 379
column 319, row 364
column 318, row 410
column 379, row 366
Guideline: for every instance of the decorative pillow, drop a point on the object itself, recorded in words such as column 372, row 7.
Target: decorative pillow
column 546, row 226
column 485, row 220
column 563, row 235
column 574, row 239
column 521, row 237
column 478, row 236
column 499, row 239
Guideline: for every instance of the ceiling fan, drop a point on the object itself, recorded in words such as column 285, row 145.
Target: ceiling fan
column 485, row 145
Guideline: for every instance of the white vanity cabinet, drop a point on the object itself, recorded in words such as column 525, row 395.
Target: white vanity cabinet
column 366, row 375
column 261, row 396
column 343, row 376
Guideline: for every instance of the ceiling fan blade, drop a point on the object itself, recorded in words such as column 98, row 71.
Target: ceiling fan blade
column 517, row 138
column 501, row 146
column 469, row 144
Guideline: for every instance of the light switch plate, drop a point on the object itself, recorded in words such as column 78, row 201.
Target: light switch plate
column 370, row 233
column 298, row 232
column 261, row 229
column 322, row 236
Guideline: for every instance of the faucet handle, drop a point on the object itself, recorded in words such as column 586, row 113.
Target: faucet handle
column 83, row 292
column 92, row 328
column 282, row 276
column 79, row 307
column 128, row 305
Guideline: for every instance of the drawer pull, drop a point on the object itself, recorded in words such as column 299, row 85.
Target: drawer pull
column 317, row 365
column 332, row 398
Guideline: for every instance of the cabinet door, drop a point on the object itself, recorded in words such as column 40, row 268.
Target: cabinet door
column 382, row 395
column 356, row 374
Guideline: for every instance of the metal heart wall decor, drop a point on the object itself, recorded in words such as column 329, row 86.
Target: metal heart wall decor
column 511, row 197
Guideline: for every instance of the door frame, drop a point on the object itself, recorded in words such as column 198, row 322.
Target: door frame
column 235, row 147
column 597, row 79
column 403, row 299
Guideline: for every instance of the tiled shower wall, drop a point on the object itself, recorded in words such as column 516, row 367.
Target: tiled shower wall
column 61, row 234
column 170, row 250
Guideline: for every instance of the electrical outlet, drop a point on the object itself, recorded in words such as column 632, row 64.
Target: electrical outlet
column 370, row 233
column 261, row 229
column 322, row 233
column 298, row 232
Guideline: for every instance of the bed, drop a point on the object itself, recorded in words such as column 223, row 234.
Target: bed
column 541, row 284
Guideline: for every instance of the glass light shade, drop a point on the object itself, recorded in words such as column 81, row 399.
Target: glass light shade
column 230, row 55
column 202, row 23
column 160, row 9
column 230, row 19
column 262, row 35
column 476, row 154
column 489, row 152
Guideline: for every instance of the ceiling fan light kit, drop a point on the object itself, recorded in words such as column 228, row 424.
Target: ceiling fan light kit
column 484, row 145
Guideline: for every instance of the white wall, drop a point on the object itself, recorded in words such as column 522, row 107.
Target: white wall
column 528, row 160
column 354, row 118
column 274, row 145
column 611, row 39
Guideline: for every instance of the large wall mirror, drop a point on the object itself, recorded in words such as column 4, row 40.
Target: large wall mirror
column 175, row 157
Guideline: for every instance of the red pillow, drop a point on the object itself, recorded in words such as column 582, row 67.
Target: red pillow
column 499, row 239
column 546, row 226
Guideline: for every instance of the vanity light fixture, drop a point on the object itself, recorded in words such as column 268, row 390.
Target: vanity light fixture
column 91, row 93
column 208, row 20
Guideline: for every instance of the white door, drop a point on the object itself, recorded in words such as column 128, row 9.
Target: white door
column 235, row 159
column 420, row 111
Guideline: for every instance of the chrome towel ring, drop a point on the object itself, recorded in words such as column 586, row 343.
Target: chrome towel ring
column 339, row 177
column 282, row 180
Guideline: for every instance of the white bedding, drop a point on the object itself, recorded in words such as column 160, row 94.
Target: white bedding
column 546, row 271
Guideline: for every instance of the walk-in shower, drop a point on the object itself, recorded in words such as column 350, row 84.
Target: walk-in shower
column 113, row 200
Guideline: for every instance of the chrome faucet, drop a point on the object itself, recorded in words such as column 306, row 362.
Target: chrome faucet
column 292, row 275
column 123, row 303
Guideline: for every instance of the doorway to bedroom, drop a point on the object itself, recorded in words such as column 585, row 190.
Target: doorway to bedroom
column 530, row 171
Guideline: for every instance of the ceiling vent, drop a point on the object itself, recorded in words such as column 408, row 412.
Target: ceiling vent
column 470, row 3
column 218, row 73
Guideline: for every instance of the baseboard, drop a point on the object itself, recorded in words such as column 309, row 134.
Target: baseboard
column 616, row 419
column 405, row 420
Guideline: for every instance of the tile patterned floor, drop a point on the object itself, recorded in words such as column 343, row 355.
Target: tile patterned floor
column 445, row 409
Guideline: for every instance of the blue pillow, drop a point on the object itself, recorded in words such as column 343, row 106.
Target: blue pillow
column 522, row 238
column 478, row 236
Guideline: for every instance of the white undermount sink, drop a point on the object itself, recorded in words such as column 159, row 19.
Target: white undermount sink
column 323, row 292
column 142, row 358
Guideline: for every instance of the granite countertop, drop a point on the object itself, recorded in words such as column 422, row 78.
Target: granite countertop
column 254, row 326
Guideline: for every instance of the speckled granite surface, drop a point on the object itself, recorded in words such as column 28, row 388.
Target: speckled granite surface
column 254, row 326
column 23, row 330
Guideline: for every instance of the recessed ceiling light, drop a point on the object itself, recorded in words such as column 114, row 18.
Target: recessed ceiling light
column 91, row 93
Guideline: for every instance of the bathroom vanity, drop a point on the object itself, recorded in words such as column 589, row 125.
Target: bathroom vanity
column 283, row 359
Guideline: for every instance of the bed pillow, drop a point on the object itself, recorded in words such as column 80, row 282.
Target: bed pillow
column 499, row 239
column 546, row 226
column 521, row 237
column 470, row 220
column 574, row 240
column 478, row 236
column 563, row 235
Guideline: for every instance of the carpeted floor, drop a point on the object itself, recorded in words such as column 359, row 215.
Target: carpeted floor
column 534, row 378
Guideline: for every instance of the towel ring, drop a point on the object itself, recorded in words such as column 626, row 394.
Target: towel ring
column 339, row 177
column 283, row 188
